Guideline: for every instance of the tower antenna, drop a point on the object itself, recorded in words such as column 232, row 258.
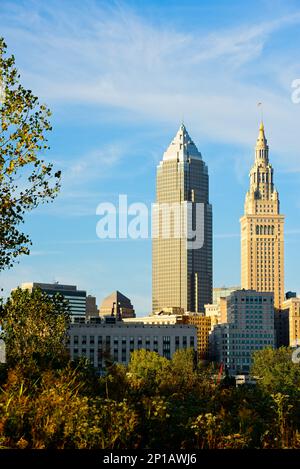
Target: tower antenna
column 260, row 105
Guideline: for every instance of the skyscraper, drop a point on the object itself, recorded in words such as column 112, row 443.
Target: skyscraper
column 262, row 241
column 181, row 270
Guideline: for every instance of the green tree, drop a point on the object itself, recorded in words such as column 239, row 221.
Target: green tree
column 34, row 328
column 26, row 180
column 275, row 371
column 145, row 370
column 180, row 376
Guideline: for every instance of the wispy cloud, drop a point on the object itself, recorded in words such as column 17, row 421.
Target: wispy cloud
column 44, row 253
column 107, row 55
column 96, row 164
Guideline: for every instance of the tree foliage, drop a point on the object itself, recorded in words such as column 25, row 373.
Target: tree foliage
column 47, row 401
column 34, row 329
column 26, row 180
column 276, row 372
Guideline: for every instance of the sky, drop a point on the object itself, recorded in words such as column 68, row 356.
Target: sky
column 119, row 78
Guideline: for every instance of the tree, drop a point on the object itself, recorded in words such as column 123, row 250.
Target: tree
column 145, row 370
column 25, row 179
column 275, row 371
column 181, row 376
column 34, row 328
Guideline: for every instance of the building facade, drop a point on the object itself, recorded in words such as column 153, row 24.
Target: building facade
column 250, row 327
column 76, row 298
column 217, row 312
column 223, row 292
column 182, row 269
column 91, row 310
column 291, row 310
column 102, row 343
column 262, row 229
column 118, row 305
column 203, row 326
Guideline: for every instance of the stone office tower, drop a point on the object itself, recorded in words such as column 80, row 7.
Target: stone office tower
column 262, row 244
column 181, row 275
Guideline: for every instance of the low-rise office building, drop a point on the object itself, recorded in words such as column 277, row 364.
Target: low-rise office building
column 114, row 342
column 76, row 298
column 223, row 292
column 250, row 327
column 203, row 326
column 217, row 312
column 291, row 312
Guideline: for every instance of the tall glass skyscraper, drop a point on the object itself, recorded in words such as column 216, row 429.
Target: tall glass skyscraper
column 182, row 265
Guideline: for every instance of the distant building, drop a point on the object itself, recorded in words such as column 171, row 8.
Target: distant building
column 218, row 311
column 158, row 319
column 223, row 292
column 203, row 326
column 250, row 327
column 199, row 320
column 290, row 294
column 76, row 298
column 212, row 311
column 91, row 307
column 115, row 342
column 291, row 312
column 118, row 305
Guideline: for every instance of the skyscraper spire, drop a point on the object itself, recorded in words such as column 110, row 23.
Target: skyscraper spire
column 182, row 146
column 261, row 148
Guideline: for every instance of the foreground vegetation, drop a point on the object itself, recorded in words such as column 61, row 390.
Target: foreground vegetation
column 46, row 401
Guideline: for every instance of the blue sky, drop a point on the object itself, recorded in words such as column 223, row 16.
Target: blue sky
column 119, row 78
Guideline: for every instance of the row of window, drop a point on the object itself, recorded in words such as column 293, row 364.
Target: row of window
column 265, row 229
column 166, row 340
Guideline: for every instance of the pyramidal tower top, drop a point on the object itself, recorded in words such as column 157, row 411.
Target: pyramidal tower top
column 182, row 147
column 262, row 190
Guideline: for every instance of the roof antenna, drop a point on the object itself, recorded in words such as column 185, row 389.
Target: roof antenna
column 261, row 111
column 182, row 120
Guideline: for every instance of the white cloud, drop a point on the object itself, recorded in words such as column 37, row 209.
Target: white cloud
column 109, row 56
